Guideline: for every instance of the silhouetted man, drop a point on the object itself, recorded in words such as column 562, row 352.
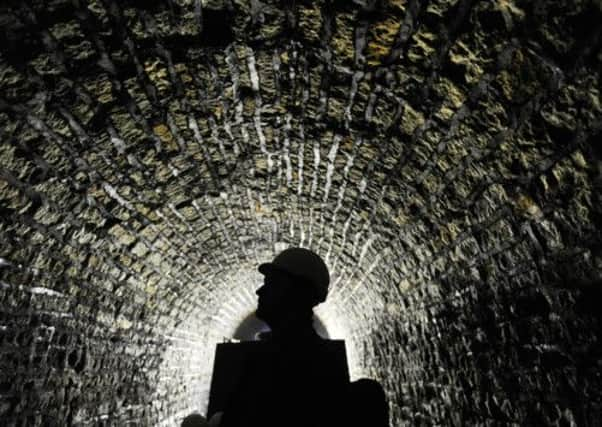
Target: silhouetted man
column 293, row 377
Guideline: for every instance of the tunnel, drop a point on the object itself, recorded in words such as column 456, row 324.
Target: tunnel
column 443, row 157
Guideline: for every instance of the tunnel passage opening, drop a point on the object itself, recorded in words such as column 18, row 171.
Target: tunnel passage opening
column 251, row 326
column 441, row 156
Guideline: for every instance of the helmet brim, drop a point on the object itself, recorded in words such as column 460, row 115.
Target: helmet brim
column 266, row 268
column 269, row 267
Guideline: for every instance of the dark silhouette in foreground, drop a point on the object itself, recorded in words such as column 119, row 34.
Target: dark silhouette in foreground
column 197, row 420
column 194, row 420
column 291, row 377
column 369, row 404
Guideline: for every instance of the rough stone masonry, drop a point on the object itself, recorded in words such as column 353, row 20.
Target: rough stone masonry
column 443, row 156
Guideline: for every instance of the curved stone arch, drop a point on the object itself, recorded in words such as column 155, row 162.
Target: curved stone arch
column 442, row 156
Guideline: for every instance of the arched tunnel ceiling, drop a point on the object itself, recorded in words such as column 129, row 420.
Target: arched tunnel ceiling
column 437, row 154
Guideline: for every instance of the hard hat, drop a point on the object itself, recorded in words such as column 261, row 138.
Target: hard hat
column 304, row 264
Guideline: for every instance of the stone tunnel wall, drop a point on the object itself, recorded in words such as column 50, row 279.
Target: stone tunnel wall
column 443, row 156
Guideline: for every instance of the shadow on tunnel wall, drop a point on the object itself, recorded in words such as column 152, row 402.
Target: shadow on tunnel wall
column 523, row 348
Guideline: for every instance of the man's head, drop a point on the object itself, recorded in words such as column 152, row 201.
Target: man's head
column 295, row 281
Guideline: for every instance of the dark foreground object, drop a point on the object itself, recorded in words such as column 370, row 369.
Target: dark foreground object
column 279, row 383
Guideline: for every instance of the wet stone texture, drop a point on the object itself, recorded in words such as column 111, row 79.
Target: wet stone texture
column 443, row 156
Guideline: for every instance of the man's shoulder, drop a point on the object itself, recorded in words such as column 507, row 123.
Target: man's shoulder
column 229, row 345
column 328, row 350
column 243, row 346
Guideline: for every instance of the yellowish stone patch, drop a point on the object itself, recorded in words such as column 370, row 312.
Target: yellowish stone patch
column 124, row 237
column 411, row 119
column 343, row 39
column 527, row 206
column 460, row 54
column 509, row 7
column 401, row 218
column 422, row 46
column 157, row 73
column 162, row 131
column 445, row 112
column 310, row 22
column 449, row 233
column 381, row 36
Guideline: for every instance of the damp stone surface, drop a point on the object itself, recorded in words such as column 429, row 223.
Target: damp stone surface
column 444, row 157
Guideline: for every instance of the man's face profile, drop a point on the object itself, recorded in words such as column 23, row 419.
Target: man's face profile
column 275, row 297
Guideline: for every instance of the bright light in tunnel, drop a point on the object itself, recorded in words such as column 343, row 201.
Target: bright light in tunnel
column 190, row 353
column 251, row 327
column 336, row 321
